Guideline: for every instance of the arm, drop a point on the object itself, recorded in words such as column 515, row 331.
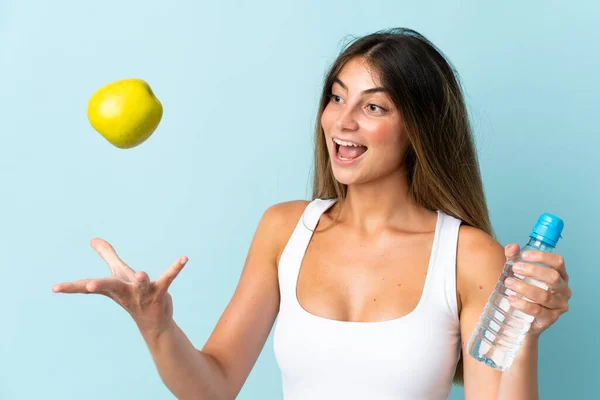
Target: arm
column 220, row 369
column 520, row 381
column 480, row 261
column 183, row 369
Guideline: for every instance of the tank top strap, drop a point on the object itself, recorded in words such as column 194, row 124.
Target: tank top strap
column 313, row 212
column 293, row 253
column 444, row 267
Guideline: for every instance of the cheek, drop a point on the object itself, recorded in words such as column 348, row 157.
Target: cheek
column 385, row 136
column 380, row 138
column 326, row 119
column 389, row 140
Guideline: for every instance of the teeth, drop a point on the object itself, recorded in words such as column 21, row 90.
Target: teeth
column 344, row 143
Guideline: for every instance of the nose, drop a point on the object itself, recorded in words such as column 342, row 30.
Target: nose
column 346, row 120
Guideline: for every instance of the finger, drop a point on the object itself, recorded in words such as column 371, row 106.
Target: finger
column 79, row 286
column 110, row 256
column 111, row 285
column 529, row 308
column 535, row 294
column 142, row 281
column 170, row 274
column 71, row 287
column 86, row 286
column 554, row 261
column 511, row 251
column 549, row 276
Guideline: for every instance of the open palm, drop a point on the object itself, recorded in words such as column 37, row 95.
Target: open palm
column 148, row 302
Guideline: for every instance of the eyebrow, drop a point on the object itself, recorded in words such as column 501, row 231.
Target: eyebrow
column 372, row 90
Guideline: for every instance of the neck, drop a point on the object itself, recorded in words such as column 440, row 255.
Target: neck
column 381, row 204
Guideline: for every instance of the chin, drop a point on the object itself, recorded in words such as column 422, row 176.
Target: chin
column 346, row 177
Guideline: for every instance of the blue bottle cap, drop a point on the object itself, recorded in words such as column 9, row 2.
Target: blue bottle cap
column 548, row 229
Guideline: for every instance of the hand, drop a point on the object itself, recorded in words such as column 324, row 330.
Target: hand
column 546, row 305
column 146, row 301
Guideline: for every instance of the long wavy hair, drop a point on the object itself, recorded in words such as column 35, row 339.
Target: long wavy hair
column 441, row 160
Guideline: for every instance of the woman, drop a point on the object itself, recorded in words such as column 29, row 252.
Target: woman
column 379, row 281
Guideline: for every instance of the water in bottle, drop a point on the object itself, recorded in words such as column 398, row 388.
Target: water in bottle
column 502, row 328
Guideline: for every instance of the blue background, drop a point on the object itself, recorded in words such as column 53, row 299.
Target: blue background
column 240, row 82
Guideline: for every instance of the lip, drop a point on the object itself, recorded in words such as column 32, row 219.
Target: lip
column 344, row 163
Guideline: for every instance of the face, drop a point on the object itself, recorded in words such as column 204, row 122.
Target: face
column 363, row 129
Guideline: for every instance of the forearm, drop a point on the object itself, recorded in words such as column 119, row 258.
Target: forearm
column 520, row 381
column 187, row 372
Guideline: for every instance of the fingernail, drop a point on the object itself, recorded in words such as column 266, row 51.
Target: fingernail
column 527, row 255
column 518, row 267
column 509, row 282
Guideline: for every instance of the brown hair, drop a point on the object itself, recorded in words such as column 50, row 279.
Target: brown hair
column 442, row 165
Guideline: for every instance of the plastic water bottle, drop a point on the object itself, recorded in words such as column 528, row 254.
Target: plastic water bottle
column 502, row 328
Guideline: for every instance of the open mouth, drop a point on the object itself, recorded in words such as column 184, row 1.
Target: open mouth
column 348, row 151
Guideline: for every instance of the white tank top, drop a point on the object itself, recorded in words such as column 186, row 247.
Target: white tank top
column 411, row 357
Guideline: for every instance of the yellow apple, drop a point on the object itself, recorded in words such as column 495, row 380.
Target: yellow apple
column 125, row 112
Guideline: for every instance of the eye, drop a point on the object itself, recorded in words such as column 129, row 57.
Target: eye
column 376, row 108
column 334, row 98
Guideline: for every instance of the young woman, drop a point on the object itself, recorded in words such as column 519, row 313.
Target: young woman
column 379, row 281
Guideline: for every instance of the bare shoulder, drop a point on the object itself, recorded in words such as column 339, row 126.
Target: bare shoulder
column 480, row 259
column 281, row 213
column 281, row 219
